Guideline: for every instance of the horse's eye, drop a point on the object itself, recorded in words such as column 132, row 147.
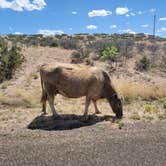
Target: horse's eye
column 115, row 96
column 119, row 103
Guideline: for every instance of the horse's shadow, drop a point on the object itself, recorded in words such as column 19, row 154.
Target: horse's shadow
column 66, row 122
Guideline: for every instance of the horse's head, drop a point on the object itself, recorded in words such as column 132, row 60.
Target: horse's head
column 116, row 105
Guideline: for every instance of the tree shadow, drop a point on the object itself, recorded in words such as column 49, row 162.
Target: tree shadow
column 66, row 122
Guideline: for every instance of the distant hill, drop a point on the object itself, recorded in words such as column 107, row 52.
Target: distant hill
column 142, row 50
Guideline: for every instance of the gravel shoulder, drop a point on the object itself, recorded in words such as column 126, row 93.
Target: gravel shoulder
column 137, row 143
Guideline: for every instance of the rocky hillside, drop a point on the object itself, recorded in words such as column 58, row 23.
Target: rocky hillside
column 118, row 50
column 142, row 89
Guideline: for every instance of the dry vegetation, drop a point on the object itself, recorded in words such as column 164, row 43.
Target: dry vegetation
column 143, row 93
column 135, row 90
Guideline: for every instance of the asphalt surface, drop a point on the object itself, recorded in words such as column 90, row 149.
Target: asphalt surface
column 137, row 144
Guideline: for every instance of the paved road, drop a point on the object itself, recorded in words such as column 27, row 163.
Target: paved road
column 138, row 144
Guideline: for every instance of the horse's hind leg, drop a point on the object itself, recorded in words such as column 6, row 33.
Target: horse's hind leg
column 96, row 109
column 51, row 103
column 87, row 103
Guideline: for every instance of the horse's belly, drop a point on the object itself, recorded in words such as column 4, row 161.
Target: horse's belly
column 72, row 93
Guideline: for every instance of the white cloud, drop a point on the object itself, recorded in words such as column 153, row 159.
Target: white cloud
column 113, row 26
column 74, row 12
column 20, row 5
column 132, row 14
column 121, row 10
column 144, row 12
column 48, row 32
column 162, row 19
column 127, row 15
column 102, row 12
column 140, row 12
column 152, row 10
column 163, row 29
column 127, row 31
column 91, row 27
column 18, row 33
column 145, row 25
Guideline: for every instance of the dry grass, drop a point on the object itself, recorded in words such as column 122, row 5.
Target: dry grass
column 135, row 116
column 5, row 84
column 143, row 110
column 20, row 98
column 133, row 90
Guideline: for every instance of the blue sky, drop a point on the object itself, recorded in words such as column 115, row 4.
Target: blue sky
column 82, row 16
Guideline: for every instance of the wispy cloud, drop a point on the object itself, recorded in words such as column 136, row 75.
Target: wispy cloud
column 127, row 15
column 162, row 19
column 99, row 13
column 147, row 11
column 132, row 14
column 20, row 5
column 91, row 27
column 113, row 26
column 152, row 10
column 140, row 12
column 48, row 32
column 18, row 33
column 144, row 25
column 163, row 29
column 74, row 12
column 127, row 31
column 121, row 10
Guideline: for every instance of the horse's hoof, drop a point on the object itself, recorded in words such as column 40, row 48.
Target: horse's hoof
column 97, row 112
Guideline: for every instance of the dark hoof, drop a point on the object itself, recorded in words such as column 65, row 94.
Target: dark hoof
column 44, row 113
column 119, row 117
column 98, row 112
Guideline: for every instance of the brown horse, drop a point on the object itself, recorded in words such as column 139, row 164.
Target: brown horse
column 75, row 81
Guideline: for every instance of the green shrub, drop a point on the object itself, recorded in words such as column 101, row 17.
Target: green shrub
column 89, row 62
column 91, row 37
column 54, row 44
column 120, row 124
column 109, row 53
column 151, row 109
column 148, row 108
column 69, row 43
column 10, row 59
column 164, row 105
column 143, row 64
column 76, row 57
column 80, row 55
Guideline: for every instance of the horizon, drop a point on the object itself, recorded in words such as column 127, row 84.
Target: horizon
column 93, row 34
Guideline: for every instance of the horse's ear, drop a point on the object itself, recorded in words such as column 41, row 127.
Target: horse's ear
column 122, row 99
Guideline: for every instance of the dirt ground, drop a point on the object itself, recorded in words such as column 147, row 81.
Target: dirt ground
column 72, row 142
column 29, row 138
